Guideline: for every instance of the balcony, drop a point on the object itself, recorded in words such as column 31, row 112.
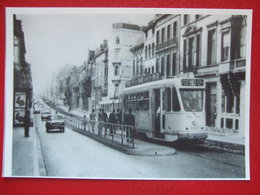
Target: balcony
column 166, row 44
column 237, row 65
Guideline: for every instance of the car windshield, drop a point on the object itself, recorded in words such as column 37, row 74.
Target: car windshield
column 46, row 112
column 56, row 117
column 192, row 99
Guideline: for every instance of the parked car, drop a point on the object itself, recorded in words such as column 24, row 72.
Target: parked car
column 46, row 114
column 55, row 122
column 36, row 109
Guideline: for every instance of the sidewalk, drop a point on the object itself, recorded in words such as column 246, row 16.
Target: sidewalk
column 27, row 160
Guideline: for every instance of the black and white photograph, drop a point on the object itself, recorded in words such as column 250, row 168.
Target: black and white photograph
column 127, row 93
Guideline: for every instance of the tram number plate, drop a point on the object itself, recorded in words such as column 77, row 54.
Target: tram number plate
column 192, row 82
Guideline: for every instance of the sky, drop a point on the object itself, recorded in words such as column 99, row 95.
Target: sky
column 55, row 40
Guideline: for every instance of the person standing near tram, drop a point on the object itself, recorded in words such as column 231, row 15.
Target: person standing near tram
column 130, row 120
column 93, row 117
column 100, row 120
column 111, row 119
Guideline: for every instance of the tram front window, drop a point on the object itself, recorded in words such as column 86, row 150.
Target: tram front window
column 192, row 99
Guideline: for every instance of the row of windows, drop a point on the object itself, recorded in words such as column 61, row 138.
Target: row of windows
column 140, row 101
column 166, row 33
column 186, row 18
column 166, row 69
column 138, row 67
column 149, row 51
column 192, row 49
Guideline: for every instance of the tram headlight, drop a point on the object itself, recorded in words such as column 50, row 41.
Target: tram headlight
column 194, row 123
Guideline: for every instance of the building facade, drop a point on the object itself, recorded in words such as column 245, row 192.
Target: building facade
column 213, row 47
column 23, row 91
column 122, row 37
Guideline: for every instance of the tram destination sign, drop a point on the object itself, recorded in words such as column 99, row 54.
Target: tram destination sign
column 192, row 82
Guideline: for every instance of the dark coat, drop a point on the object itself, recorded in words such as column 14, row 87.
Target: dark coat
column 130, row 119
column 26, row 120
column 112, row 118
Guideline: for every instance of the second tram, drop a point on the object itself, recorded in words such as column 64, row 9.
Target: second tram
column 168, row 110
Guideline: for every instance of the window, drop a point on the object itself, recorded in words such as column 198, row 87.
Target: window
column 145, row 71
column 149, row 70
column 133, row 67
column 211, row 47
column 162, row 66
column 225, row 46
column 162, row 40
column 174, row 29
column 167, row 99
column 157, row 65
column 168, row 32
column 192, row 99
column 168, row 65
column 116, row 71
column 198, row 50
column 149, row 50
column 153, row 50
column 191, row 54
column 184, row 54
column 152, row 69
column 117, row 40
column 185, row 19
column 175, row 101
column 146, row 52
column 230, row 103
column 117, row 53
column 197, row 16
column 141, row 66
column 137, row 67
column 173, row 64
column 138, row 101
column 157, row 37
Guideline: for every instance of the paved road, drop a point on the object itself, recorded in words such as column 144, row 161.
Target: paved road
column 71, row 154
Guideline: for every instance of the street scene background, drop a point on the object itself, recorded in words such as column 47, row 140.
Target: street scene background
column 72, row 71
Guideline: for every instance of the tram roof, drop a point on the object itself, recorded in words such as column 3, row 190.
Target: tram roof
column 157, row 84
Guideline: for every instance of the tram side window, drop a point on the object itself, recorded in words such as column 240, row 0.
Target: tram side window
column 167, row 99
column 175, row 100
column 137, row 102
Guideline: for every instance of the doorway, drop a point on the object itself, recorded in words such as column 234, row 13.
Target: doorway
column 211, row 101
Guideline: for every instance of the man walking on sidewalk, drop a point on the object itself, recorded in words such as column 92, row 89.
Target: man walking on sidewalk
column 26, row 123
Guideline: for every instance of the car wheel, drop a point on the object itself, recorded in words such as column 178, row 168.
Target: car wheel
column 62, row 130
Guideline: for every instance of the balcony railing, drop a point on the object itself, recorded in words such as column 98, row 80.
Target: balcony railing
column 235, row 65
column 144, row 79
column 166, row 44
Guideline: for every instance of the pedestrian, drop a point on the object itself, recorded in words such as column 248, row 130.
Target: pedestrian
column 84, row 122
column 130, row 120
column 100, row 120
column 112, row 119
column 118, row 116
column 26, row 123
column 93, row 117
column 157, row 119
column 105, row 120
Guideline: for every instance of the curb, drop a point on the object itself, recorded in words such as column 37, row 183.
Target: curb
column 41, row 164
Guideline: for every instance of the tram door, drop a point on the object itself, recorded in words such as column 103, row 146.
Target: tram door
column 157, row 113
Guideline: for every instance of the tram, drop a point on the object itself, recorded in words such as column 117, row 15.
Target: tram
column 168, row 110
